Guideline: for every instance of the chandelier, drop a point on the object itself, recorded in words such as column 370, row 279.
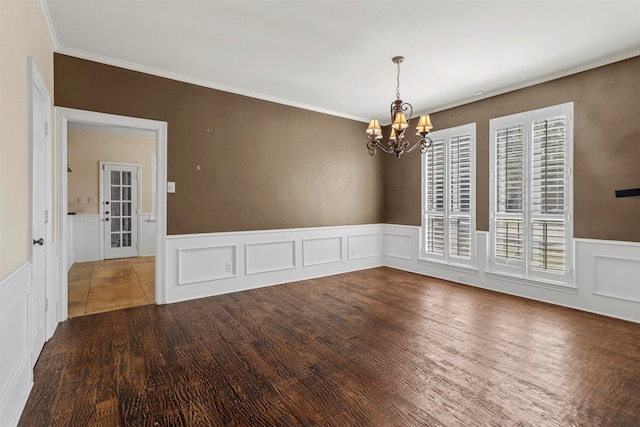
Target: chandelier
column 399, row 123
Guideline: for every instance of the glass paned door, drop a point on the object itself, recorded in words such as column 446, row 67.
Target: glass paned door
column 120, row 210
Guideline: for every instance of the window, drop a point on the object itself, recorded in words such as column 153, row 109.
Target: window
column 530, row 212
column 448, row 184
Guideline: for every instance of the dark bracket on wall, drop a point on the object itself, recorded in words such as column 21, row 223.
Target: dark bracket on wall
column 630, row 192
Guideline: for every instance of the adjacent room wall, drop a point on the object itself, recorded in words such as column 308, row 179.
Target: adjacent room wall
column 261, row 165
column 23, row 35
column 87, row 149
column 606, row 150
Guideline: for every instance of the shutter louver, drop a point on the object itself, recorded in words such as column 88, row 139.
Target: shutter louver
column 435, row 194
column 460, row 196
column 509, row 169
column 435, row 234
column 460, row 237
column 548, row 175
column 547, row 246
column 509, row 239
column 548, row 194
column 530, row 209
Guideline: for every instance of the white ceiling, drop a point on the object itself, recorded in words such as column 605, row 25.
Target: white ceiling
column 335, row 56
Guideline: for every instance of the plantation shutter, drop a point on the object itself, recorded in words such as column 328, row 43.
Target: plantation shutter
column 460, row 169
column 435, row 197
column 509, row 190
column 548, row 182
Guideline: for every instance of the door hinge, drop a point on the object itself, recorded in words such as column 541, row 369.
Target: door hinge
column 46, row 128
column 46, row 304
column 46, row 216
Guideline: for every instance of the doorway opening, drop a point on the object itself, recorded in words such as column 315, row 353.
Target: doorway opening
column 111, row 211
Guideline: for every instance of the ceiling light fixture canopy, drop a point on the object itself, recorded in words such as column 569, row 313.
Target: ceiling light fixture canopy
column 399, row 123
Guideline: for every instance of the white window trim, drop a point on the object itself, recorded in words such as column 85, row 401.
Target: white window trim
column 525, row 270
column 446, row 258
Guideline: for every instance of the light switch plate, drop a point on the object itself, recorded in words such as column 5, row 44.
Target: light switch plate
column 171, row 187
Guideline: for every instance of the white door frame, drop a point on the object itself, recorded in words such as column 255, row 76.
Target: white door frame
column 138, row 167
column 37, row 82
column 63, row 117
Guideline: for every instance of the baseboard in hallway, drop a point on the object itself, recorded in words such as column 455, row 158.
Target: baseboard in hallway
column 100, row 286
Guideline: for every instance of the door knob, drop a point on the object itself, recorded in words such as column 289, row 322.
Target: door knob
column 40, row 241
column 106, row 219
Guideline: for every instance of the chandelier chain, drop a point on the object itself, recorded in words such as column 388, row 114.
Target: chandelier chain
column 398, row 82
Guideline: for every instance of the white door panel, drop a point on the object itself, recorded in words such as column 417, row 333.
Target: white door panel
column 39, row 214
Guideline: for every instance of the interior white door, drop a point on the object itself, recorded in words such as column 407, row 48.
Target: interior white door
column 39, row 215
column 120, row 210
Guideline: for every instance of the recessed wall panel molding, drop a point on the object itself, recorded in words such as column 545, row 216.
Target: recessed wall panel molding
column 266, row 257
column 364, row 246
column 607, row 273
column 616, row 277
column 321, row 250
column 15, row 369
column 398, row 245
column 205, row 264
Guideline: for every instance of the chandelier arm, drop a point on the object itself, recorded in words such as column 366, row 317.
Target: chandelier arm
column 386, row 150
column 424, row 143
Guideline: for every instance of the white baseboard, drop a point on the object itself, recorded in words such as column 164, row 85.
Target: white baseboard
column 607, row 277
column 16, row 376
column 201, row 265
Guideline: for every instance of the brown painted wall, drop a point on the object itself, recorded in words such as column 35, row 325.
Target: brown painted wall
column 606, row 150
column 264, row 165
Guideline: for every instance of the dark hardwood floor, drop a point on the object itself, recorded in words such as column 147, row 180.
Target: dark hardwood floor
column 377, row 347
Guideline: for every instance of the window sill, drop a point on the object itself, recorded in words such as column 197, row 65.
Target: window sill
column 528, row 281
column 449, row 266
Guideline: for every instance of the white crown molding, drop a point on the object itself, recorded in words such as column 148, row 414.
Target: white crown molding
column 606, row 60
column 201, row 82
column 46, row 18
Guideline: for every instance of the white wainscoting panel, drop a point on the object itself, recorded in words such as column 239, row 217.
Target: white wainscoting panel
column 364, row 246
column 613, row 277
column 270, row 256
column 322, row 250
column 398, row 245
column 607, row 273
column 265, row 257
column 147, row 235
column 16, row 376
column 86, row 237
column 205, row 264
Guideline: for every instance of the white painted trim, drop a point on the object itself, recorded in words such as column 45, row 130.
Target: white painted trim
column 50, row 296
column 181, row 273
column 248, row 246
column 385, row 252
column 202, row 82
column 607, row 242
column 63, row 117
column 15, row 290
column 285, row 265
column 603, row 297
column 339, row 257
column 620, row 56
column 46, row 19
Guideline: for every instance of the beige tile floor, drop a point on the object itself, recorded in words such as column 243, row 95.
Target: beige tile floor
column 99, row 286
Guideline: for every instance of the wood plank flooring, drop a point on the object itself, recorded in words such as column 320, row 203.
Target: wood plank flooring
column 378, row 347
column 99, row 286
